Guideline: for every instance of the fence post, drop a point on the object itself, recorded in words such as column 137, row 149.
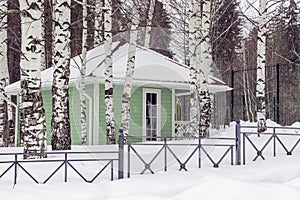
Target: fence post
column 232, row 96
column 16, row 169
column 166, row 161
column 238, row 143
column 66, row 166
column 277, row 93
column 121, row 155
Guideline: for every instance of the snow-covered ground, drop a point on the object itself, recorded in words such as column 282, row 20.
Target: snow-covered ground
column 274, row 178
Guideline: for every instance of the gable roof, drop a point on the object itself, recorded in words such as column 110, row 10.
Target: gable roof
column 150, row 68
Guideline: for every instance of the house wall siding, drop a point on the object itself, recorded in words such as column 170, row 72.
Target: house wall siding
column 136, row 112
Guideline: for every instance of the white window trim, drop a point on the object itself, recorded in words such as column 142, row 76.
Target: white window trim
column 158, row 92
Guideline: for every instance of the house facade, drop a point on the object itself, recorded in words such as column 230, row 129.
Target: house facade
column 158, row 83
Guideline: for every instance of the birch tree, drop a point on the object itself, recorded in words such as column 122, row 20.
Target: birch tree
column 261, row 62
column 31, row 106
column 109, row 104
column 205, row 67
column 98, row 36
column 3, row 73
column 82, row 74
column 129, row 74
column 60, row 132
column 194, row 41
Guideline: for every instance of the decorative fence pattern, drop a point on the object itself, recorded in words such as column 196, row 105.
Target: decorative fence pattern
column 235, row 149
column 165, row 147
column 67, row 159
column 274, row 137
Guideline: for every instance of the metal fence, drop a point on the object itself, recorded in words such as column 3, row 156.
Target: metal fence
column 274, row 138
column 66, row 162
column 165, row 145
column 282, row 93
column 235, row 149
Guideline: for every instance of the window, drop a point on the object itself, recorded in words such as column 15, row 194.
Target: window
column 151, row 102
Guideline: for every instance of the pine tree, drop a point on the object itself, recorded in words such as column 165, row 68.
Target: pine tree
column 284, row 49
column 120, row 18
column 226, row 37
column 31, row 107
column 226, row 34
column 14, row 41
column 76, row 28
column 161, row 32
column 149, row 22
column 48, row 29
column 60, row 130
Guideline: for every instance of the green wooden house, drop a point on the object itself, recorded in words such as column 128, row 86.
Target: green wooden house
column 157, row 82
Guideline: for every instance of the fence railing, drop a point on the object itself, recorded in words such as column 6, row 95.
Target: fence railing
column 234, row 149
column 181, row 128
column 273, row 139
column 164, row 145
column 66, row 160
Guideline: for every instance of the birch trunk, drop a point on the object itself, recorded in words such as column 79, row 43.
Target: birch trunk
column 205, row 67
column 109, row 103
column 61, row 137
column 261, row 62
column 194, row 40
column 82, row 75
column 149, row 23
column 129, row 76
column 98, row 38
column 31, row 95
column 4, row 76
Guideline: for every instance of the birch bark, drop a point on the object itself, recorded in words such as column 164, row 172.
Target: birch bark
column 4, row 76
column 31, row 107
column 261, row 62
column 129, row 76
column 109, row 103
column 82, row 74
column 60, row 132
column 194, row 41
column 98, row 38
column 205, row 67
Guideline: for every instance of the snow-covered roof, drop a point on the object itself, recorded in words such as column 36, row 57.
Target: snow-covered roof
column 150, row 68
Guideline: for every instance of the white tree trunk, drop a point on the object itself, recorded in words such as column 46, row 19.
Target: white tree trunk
column 109, row 103
column 82, row 74
column 98, row 38
column 60, row 130
column 194, row 41
column 32, row 109
column 205, row 67
column 261, row 62
column 149, row 23
column 4, row 76
column 125, row 123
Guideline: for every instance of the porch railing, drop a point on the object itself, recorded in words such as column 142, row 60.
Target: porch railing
column 181, row 128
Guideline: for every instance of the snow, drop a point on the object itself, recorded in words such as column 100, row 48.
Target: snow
column 151, row 68
column 275, row 178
